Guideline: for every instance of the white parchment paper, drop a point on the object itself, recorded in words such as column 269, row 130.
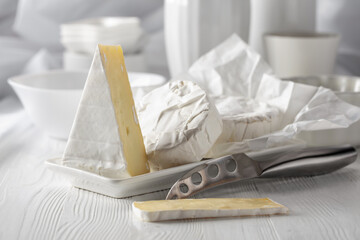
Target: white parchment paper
column 234, row 69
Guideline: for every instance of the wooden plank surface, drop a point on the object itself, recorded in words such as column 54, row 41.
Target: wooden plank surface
column 36, row 203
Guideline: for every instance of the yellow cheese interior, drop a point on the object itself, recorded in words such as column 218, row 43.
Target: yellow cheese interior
column 207, row 204
column 121, row 96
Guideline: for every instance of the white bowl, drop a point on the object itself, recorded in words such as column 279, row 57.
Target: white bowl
column 51, row 98
column 143, row 83
column 298, row 54
column 97, row 27
column 82, row 61
column 130, row 44
column 84, row 35
column 77, row 61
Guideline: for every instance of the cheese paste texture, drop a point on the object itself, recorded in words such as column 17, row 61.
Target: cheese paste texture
column 106, row 138
column 179, row 124
column 162, row 210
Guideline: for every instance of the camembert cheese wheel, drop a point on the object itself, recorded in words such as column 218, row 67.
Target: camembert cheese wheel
column 179, row 124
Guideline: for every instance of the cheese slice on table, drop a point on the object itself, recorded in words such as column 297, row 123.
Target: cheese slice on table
column 162, row 210
column 106, row 137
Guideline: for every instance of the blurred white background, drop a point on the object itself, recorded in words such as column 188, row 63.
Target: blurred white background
column 30, row 34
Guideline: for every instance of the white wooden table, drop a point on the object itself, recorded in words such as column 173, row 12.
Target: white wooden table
column 35, row 203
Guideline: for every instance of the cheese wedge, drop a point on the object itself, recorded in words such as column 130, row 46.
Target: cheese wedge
column 106, row 137
column 162, row 210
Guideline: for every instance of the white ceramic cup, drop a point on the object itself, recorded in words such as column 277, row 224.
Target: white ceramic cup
column 280, row 16
column 301, row 54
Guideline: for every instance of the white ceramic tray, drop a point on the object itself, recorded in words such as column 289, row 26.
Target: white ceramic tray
column 146, row 183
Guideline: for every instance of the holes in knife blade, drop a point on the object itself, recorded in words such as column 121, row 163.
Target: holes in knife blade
column 196, row 178
column 174, row 197
column 184, row 188
column 230, row 165
column 213, row 170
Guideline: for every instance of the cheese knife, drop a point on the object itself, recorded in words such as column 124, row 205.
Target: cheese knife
column 237, row 167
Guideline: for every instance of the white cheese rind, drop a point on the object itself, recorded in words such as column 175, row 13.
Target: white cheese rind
column 94, row 143
column 192, row 214
column 179, row 124
column 245, row 118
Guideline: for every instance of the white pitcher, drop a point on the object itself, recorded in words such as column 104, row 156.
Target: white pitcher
column 193, row 27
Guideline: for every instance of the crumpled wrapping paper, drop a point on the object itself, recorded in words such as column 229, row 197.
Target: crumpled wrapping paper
column 234, row 69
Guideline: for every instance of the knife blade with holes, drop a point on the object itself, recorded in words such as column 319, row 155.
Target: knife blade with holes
column 303, row 162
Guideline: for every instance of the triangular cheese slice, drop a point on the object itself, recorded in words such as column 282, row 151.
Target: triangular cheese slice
column 106, row 137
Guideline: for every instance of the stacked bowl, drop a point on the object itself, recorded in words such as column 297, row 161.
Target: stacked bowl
column 80, row 39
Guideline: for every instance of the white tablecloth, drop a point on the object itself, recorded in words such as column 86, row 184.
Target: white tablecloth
column 36, row 203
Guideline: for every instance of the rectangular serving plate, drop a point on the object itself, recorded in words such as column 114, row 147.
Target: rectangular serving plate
column 142, row 184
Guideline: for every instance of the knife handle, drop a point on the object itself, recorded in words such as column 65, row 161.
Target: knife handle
column 315, row 161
